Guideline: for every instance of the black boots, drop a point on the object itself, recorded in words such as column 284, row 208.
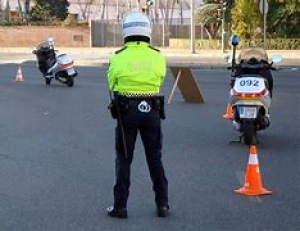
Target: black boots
column 162, row 211
column 119, row 213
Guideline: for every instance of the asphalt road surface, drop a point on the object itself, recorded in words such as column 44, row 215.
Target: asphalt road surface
column 57, row 158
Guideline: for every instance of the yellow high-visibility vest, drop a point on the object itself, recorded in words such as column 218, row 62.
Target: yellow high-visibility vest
column 137, row 68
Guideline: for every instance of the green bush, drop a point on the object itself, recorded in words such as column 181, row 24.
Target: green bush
column 11, row 23
column 272, row 44
column 45, row 23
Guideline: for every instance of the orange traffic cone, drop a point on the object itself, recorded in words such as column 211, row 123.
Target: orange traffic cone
column 19, row 76
column 253, row 183
column 229, row 113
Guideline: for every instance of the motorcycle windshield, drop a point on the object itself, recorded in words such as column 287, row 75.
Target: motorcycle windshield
column 253, row 52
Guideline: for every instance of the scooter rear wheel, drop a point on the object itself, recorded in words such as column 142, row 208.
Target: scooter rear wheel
column 70, row 81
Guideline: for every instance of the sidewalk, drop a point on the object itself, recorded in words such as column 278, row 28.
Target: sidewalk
column 174, row 56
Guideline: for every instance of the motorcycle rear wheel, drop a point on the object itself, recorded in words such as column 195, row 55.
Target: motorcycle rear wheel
column 249, row 133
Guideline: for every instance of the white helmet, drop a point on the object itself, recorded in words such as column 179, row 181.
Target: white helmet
column 137, row 23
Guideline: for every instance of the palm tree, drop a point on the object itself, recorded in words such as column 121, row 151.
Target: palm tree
column 208, row 16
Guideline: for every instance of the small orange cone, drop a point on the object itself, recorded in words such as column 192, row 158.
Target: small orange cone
column 253, row 183
column 229, row 113
column 19, row 76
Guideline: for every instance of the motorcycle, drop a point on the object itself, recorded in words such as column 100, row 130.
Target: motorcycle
column 250, row 96
column 52, row 66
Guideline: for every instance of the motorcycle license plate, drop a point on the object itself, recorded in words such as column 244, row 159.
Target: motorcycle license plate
column 71, row 71
column 248, row 112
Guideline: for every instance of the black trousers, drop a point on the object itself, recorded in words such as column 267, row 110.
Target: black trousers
column 148, row 125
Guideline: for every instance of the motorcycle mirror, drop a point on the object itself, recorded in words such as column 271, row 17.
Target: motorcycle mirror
column 235, row 40
column 276, row 58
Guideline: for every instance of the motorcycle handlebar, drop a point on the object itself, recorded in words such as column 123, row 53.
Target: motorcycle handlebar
column 253, row 66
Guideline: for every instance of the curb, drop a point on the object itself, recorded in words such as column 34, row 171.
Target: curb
column 104, row 63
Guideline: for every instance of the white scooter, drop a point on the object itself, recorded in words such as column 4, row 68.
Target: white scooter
column 250, row 97
column 60, row 67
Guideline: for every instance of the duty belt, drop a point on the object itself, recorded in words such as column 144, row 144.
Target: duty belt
column 137, row 95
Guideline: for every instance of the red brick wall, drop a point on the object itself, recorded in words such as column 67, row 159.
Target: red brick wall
column 23, row 36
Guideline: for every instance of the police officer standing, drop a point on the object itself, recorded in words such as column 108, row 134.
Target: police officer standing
column 135, row 75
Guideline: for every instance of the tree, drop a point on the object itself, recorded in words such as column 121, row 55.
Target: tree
column 210, row 17
column 284, row 18
column 20, row 10
column 246, row 19
column 103, row 7
column 166, row 8
column 84, row 7
column 44, row 10
column 27, row 6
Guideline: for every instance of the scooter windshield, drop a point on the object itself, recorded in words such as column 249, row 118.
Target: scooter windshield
column 253, row 52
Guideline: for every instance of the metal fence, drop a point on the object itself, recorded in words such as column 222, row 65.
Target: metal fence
column 109, row 32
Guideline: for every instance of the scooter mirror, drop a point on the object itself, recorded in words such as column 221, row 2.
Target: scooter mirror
column 235, row 40
column 276, row 58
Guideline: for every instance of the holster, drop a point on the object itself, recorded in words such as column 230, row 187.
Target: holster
column 113, row 108
column 118, row 105
column 159, row 105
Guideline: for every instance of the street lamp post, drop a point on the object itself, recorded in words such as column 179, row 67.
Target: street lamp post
column 223, row 26
column 149, row 3
column 192, row 27
column 163, row 27
column 224, row 10
column 264, row 7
